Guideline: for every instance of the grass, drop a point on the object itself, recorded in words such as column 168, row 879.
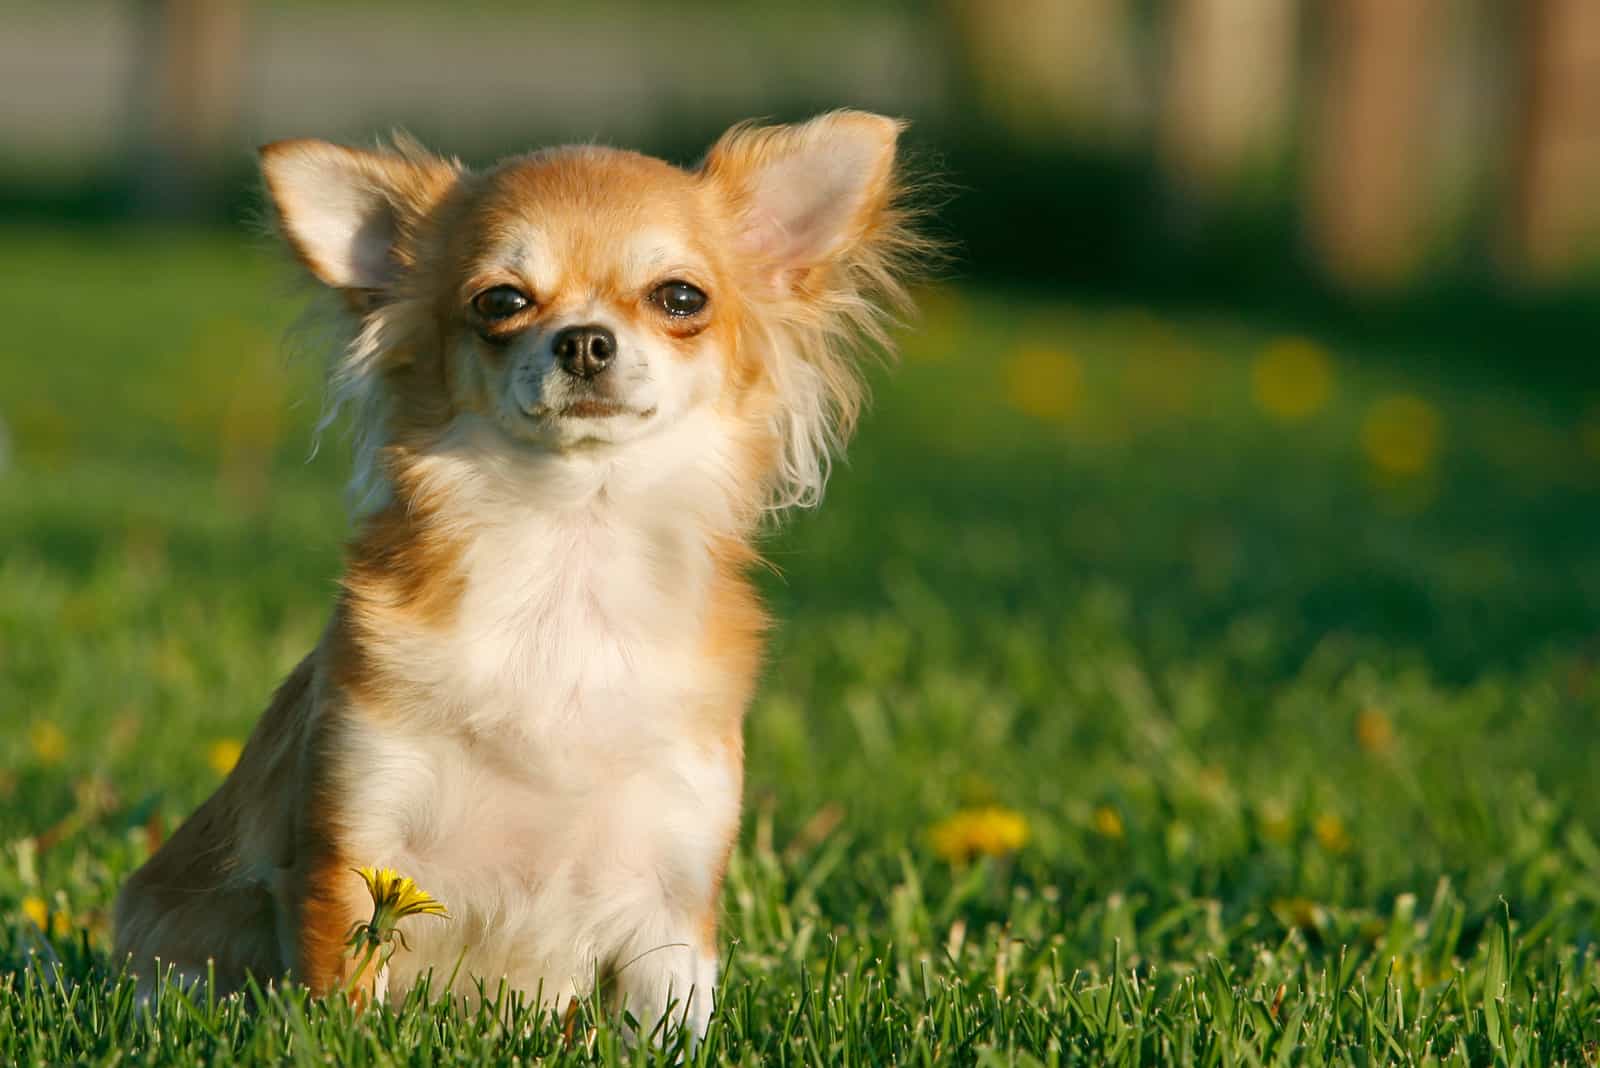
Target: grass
column 1280, row 730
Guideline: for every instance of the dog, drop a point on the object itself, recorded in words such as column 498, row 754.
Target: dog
column 580, row 383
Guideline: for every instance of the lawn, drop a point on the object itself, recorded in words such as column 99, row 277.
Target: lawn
column 1150, row 688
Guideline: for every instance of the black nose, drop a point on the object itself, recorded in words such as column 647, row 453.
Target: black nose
column 584, row 351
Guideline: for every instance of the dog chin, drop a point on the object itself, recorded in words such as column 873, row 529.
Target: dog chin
column 579, row 422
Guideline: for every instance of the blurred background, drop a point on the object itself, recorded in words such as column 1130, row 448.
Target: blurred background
column 1236, row 151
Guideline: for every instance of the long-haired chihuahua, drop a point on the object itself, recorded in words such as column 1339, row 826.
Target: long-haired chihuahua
column 578, row 380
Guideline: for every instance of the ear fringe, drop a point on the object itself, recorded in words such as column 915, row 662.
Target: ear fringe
column 815, row 340
column 355, row 384
column 353, row 354
column 354, row 345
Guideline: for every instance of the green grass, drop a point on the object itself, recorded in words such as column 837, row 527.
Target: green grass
column 1306, row 751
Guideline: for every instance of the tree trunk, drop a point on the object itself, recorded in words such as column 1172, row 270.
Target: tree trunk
column 1229, row 88
column 1370, row 154
column 184, row 100
column 1555, row 208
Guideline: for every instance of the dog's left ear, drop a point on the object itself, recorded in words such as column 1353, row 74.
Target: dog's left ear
column 349, row 213
column 803, row 196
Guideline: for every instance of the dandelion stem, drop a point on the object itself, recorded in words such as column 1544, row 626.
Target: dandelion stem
column 354, row 982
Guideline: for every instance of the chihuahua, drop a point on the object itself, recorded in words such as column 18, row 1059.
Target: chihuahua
column 578, row 380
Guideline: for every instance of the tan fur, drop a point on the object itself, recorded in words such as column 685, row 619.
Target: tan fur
column 258, row 880
column 196, row 900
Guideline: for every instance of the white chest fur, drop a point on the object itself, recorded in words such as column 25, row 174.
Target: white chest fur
column 555, row 870
column 542, row 773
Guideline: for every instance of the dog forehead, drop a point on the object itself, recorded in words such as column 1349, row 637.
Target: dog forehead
column 592, row 210
column 527, row 244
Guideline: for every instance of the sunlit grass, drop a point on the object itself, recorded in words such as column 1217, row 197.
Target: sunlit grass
column 1148, row 688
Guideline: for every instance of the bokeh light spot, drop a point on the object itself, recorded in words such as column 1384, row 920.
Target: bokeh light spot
column 1043, row 382
column 1292, row 379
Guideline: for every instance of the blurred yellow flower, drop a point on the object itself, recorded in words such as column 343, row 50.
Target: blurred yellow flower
column 49, row 742
column 57, row 923
column 1401, row 435
column 1374, row 732
column 1330, row 832
column 990, row 830
column 1107, row 822
column 1292, row 378
column 223, row 755
column 1043, row 382
column 36, row 910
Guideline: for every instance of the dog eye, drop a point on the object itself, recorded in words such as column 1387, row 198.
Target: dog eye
column 679, row 298
column 500, row 302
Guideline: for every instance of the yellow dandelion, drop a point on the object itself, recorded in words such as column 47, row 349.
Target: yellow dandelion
column 1043, row 382
column 990, row 830
column 36, row 910
column 1107, row 822
column 49, row 742
column 1401, row 436
column 1374, row 731
column 223, row 754
column 394, row 897
column 1292, row 379
column 58, row 923
column 1330, row 832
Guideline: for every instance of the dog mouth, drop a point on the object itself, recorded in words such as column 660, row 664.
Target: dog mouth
column 600, row 409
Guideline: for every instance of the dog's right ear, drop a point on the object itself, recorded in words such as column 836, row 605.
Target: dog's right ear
column 350, row 214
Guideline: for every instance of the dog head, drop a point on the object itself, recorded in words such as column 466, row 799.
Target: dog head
column 587, row 299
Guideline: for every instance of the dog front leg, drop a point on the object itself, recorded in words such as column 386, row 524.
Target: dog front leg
column 667, row 977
